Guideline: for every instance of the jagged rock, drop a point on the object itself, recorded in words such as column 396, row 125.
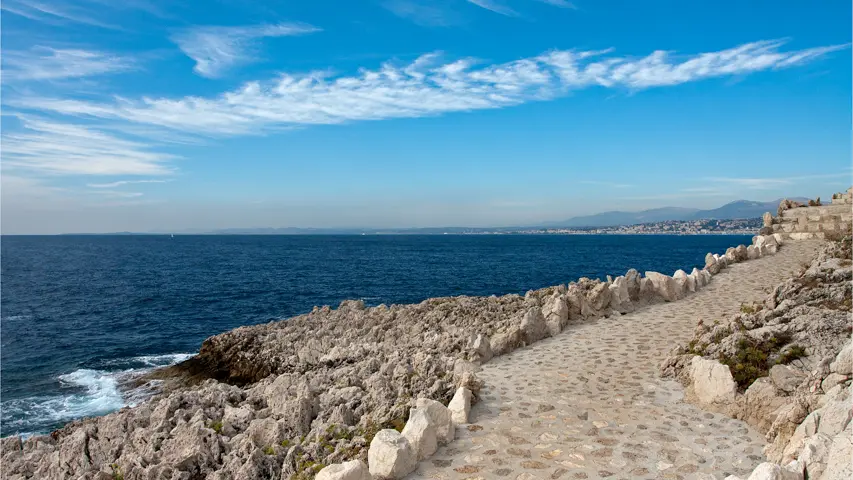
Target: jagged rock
column 352, row 470
column 556, row 313
column 685, row 282
column 835, row 416
column 421, row 433
column 815, row 454
column 767, row 219
column 786, row 378
column 439, row 416
column 599, row 297
column 632, row 280
column 665, row 286
column 752, row 252
column 741, row 253
column 771, row 471
column 460, row 406
column 843, row 364
column 712, row 381
column 506, row 342
column 391, row 455
column 533, row 326
column 712, row 265
column 480, row 348
column 236, row 420
column 838, row 466
column 620, row 298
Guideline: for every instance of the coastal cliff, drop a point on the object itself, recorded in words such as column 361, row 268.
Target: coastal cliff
column 289, row 398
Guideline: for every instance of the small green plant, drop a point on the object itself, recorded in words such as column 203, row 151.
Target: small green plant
column 792, row 353
column 744, row 308
column 117, row 475
column 216, row 427
column 285, row 443
column 269, row 450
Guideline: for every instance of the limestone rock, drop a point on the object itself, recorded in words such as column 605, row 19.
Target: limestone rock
column 460, row 406
column 843, row 364
column 815, row 455
column 479, row 348
column 390, row 455
column 835, row 417
column 767, row 219
column 556, row 313
column 439, row 416
column 353, row 470
column 786, row 378
column 712, row 382
column 533, row 326
column 506, row 342
column 839, row 466
column 741, row 253
column 685, row 282
column 771, row 471
column 421, row 433
column 665, row 286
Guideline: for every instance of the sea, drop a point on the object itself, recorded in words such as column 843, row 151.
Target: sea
column 82, row 316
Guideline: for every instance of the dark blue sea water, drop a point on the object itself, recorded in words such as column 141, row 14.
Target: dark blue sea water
column 81, row 314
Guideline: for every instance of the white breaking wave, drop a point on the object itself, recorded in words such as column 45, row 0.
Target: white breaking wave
column 96, row 392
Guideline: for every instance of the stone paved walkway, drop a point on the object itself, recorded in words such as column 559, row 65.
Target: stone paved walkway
column 589, row 403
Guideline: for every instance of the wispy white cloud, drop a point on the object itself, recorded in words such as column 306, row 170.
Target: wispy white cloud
column 46, row 63
column 426, row 13
column 45, row 147
column 495, row 6
column 766, row 183
column 53, row 13
column 122, row 183
column 215, row 49
column 560, row 3
column 116, row 193
column 427, row 86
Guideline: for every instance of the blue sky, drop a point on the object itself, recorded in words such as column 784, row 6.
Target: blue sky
column 152, row 115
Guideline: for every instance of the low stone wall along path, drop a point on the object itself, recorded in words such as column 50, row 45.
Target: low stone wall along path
column 588, row 403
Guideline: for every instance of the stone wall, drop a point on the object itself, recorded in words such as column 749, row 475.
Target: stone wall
column 796, row 221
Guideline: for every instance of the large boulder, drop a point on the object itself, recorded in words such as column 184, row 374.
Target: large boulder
column 771, row 471
column 533, row 326
column 505, row 342
column 839, row 466
column 712, row 381
column 815, row 455
column 421, row 433
column 353, row 470
column 479, row 349
column 620, row 298
column 665, row 286
column 632, row 281
column 460, row 406
column 556, row 313
column 711, row 264
column 685, row 282
column 599, row 297
column 390, row 455
column 843, row 364
column 439, row 416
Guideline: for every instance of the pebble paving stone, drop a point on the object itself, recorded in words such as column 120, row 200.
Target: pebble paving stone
column 589, row 403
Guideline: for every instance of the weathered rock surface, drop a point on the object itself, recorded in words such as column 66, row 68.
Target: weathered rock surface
column 792, row 363
column 391, row 455
column 352, row 470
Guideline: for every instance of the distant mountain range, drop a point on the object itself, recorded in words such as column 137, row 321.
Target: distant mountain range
column 733, row 210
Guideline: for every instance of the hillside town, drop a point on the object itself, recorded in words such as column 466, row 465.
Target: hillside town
column 745, row 226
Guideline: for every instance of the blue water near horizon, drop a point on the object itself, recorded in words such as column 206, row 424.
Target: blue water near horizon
column 81, row 315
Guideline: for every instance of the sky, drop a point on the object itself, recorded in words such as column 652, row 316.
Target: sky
column 153, row 115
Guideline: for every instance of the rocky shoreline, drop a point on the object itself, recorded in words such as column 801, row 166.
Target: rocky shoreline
column 784, row 366
column 334, row 388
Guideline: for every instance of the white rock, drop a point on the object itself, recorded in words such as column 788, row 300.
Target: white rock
column 556, row 313
column 390, row 455
column 481, row 348
column 804, row 430
column 778, row 238
column 786, row 378
column 685, row 282
column 835, row 417
column 460, row 406
column 752, row 253
column 843, row 364
column 620, row 298
column 665, row 286
column 839, row 466
column 421, row 433
column 353, row 470
column 815, row 454
column 533, row 325
column 440, row 417
column 771, row 471
column 712, row 381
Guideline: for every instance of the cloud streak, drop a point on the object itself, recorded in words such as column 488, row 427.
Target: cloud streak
column 51, row 13
column 46, row 63
column 216, row 49
column 46, row 147
column 428, row 86
column 122, row 183
column 495, row 6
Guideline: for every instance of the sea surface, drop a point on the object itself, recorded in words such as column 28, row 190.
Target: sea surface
column 83, row 315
